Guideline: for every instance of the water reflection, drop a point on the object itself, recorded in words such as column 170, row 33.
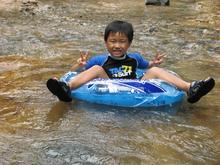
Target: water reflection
column 35, row 127
column 57, row 112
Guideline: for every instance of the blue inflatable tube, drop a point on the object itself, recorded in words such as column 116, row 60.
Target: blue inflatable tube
column 126, row 93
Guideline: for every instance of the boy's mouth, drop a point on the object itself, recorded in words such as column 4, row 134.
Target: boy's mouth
column 117, row 52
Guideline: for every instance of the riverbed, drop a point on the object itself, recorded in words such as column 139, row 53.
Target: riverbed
column 42, row 39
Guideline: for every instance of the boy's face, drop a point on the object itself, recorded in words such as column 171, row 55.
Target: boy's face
column 117, row 44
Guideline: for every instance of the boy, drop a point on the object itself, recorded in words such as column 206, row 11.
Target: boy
column 117, row 63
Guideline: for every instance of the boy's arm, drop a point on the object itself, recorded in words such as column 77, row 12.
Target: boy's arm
column 75, row 67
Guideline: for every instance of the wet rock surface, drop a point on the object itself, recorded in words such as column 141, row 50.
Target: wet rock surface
column 29, row 6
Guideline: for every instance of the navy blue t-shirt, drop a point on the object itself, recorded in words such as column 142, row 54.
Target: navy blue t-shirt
column 124, row 68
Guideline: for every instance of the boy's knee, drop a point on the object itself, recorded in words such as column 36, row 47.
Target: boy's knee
column 99, row 71
column 98, row 68
column 152, row 73
column 154, row 69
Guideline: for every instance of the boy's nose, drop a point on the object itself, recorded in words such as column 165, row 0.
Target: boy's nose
column 117, row 44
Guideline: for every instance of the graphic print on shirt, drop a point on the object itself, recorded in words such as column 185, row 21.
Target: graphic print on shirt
column 122, row 71
column 121, row 68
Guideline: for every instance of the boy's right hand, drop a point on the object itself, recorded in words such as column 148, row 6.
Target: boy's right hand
column 84, row 55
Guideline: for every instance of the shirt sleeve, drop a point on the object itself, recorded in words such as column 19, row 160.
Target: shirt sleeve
column 96, row 60
column 141, row 62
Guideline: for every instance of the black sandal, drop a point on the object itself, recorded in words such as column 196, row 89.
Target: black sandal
column 60, row 89
column 199, row 89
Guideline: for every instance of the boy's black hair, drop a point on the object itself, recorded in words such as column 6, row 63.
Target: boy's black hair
column 121, row 27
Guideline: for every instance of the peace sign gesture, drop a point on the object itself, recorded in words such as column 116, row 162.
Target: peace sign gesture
column 80, row 62
column 158, row 59
column 84, row 55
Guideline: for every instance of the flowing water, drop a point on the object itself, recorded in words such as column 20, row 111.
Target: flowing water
column 41, row 39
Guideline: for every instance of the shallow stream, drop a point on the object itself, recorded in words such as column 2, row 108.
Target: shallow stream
column 41, row 39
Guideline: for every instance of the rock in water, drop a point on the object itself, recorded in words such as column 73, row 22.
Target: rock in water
column 29, row 6
column 157, row 2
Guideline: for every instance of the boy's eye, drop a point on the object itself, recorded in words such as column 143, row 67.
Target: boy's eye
column 122, row 41
column 112, row 41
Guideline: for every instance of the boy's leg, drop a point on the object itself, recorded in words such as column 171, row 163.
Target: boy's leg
column 90, row 74
column 162, row 74
column 195, row 90
column 63, row 90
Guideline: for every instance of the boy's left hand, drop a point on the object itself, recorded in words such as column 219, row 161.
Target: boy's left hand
column 158, row 59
